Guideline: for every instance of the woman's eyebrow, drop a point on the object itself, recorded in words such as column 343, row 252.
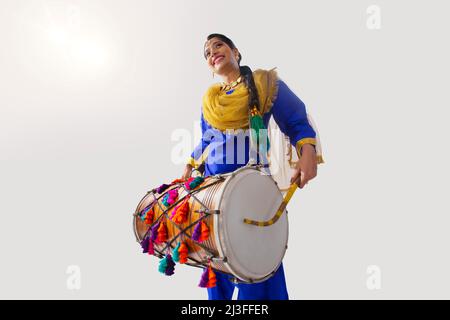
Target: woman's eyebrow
column 212, row 44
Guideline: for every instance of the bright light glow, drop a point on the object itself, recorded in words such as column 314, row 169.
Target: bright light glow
column 57, row 35
column 89, row 53
column 82, row 52
column 68, row 42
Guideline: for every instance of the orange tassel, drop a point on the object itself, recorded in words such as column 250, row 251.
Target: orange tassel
column 181, row 213
column 162, row 233
column 204, row 231
column 183, row 252
column 177, row 181
column 211, row 278
column 149, row 216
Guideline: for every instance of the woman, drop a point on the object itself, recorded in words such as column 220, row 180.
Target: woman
column 225, row 109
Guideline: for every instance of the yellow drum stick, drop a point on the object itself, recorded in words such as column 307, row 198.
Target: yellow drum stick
column 280, row 210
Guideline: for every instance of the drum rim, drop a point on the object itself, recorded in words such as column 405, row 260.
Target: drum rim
column 135, row 217
column 221, row 246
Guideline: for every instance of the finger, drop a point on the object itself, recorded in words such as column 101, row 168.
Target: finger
column 305, row 180
column 296, row 174
column 302, row 181
column 295, row 177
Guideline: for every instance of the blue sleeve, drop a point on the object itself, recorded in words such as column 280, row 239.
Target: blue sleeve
column 289, row 112
column 200, row 152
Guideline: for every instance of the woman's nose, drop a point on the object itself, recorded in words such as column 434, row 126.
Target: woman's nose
column 213, row 55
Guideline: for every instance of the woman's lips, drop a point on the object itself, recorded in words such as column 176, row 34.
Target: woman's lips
column 218, row 59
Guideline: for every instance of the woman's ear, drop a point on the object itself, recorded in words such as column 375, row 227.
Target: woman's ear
column 236, row 54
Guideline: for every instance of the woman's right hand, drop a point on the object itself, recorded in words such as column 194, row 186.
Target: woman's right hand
column 187, row 172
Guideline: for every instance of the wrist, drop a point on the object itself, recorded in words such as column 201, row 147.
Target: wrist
column 308, row 142
column 308, row 148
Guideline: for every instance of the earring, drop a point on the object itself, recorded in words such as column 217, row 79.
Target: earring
column 213, row 74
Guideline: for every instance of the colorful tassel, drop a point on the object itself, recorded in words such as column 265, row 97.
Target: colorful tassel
column 188, row 181
column 144, row 245
column 208, row 279
column 212, row 281
column 170, row 269
column 257, row 124
column 149, row 216
column 183, row 253
column 197, row 232
column 147, row 245
column 143, row 213
column 162, row 188
column 151, row 249
column 180, row 212
column 166, row 265
column 162, row 265
column 197, row 181
column 177, row 181
column 201, row 232
column 204, row 232
column 165, row 198
column 173, row 195
column 174, row 210
column 193, row 183
column 162, row 233
column 170, row 197
column 204, row 279
column 155, row 231
column 175, row 253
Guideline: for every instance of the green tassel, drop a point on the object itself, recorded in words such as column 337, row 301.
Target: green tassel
column 175, row 253
column 196, row 182
column 163, row 265
column 257, row 124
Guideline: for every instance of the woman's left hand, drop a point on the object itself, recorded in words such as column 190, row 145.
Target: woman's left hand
column 306, row 167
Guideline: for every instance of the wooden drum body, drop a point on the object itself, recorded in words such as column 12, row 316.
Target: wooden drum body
column 250, row 253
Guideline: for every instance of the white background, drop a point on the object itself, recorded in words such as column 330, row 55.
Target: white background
column 91, row 92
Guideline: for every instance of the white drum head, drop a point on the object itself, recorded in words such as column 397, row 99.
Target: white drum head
column 253, row 253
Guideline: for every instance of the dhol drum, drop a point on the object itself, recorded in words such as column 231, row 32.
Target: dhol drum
column 249, row 253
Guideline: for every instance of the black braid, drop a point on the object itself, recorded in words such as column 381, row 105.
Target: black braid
column 251, row 86
column 246, row 72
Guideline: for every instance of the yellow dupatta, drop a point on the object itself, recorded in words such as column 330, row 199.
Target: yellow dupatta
column 231, row 111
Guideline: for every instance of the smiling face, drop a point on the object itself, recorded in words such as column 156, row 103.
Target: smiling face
column 220, row 57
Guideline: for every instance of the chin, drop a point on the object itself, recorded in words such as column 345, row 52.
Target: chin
column 219, row 69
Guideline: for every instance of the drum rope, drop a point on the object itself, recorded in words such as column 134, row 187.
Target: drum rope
column 164, row 211
column 206, row 214
column 169, row 243
column 182, row 231
column 155, row 199
column 152, row 204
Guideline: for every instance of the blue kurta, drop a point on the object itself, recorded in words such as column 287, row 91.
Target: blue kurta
column 225, row 152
